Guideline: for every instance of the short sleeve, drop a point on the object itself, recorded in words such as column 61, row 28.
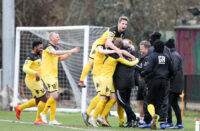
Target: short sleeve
column 49, row 49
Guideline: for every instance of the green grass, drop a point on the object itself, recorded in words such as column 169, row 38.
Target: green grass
column 74, row 120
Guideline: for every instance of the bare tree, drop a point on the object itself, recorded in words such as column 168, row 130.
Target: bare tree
column 145, row 16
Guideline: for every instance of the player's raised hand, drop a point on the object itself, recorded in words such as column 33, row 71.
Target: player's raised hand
column 37, row 77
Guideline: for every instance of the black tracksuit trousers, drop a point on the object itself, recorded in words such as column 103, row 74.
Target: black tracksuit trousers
column 173, row 102
column 147, row 116
column 157, row 95
column 123, row 97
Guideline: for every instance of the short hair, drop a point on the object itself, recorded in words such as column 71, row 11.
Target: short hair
column 118, row 42
column 170, row 43
column 145, row 43
column 51, row 34
column 36, row 43
column 159, row 46
column 127, row 42
column 123, row 18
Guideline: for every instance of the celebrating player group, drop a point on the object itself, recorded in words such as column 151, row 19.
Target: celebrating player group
column 116, row 70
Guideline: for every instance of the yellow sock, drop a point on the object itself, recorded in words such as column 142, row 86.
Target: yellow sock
column 40, row 106
column 120, row 112
column 48, row 105
column 85, row 71
column 106, row 117
column 108, row 107
column 28, row 104
column 151, row 109
column 93, row 103
column 99, row 108
column 53, row 111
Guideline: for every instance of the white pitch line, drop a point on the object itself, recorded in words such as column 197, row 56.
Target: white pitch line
column 68, row 127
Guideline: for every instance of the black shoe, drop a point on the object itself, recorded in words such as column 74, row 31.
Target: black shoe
column 129, row 124
column 85, row 118
column 136, row 122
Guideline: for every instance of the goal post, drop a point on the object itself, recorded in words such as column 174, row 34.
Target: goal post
column 71, row 98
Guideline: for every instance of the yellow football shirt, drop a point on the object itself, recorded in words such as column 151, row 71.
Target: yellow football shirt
column 112, row 33
column 49, row 61
column 98, row 61
column 32, row 66
column 110, row 63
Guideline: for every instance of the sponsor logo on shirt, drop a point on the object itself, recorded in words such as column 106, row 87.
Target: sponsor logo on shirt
column 161, row 59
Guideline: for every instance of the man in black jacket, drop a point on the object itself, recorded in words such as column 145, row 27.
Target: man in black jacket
column 176, row 87
column 156, row 36
column 142, row 87
column 123, row 83
column 156, row 75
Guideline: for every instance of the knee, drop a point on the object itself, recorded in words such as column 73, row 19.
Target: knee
column 90, row 62
column 54, row 95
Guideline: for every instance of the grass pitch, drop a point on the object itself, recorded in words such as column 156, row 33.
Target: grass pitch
column 73, row 121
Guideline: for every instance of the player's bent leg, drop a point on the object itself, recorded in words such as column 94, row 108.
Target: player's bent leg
column 52, row 121
column 41, row 105
column 93, row 103
column 84, row 73
column 49, row 103
column 155, row 117
column 52, row 115
column 99, row 108
column 28, row 104
column 107, row 109
column 52, row 85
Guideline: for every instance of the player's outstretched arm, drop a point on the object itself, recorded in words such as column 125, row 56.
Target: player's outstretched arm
column 105, row 51
column 72, row 51
column 128, row 63
column 63, row 52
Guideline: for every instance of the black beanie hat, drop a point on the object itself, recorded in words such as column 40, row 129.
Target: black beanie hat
column 154, row 36
column 170, row 43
